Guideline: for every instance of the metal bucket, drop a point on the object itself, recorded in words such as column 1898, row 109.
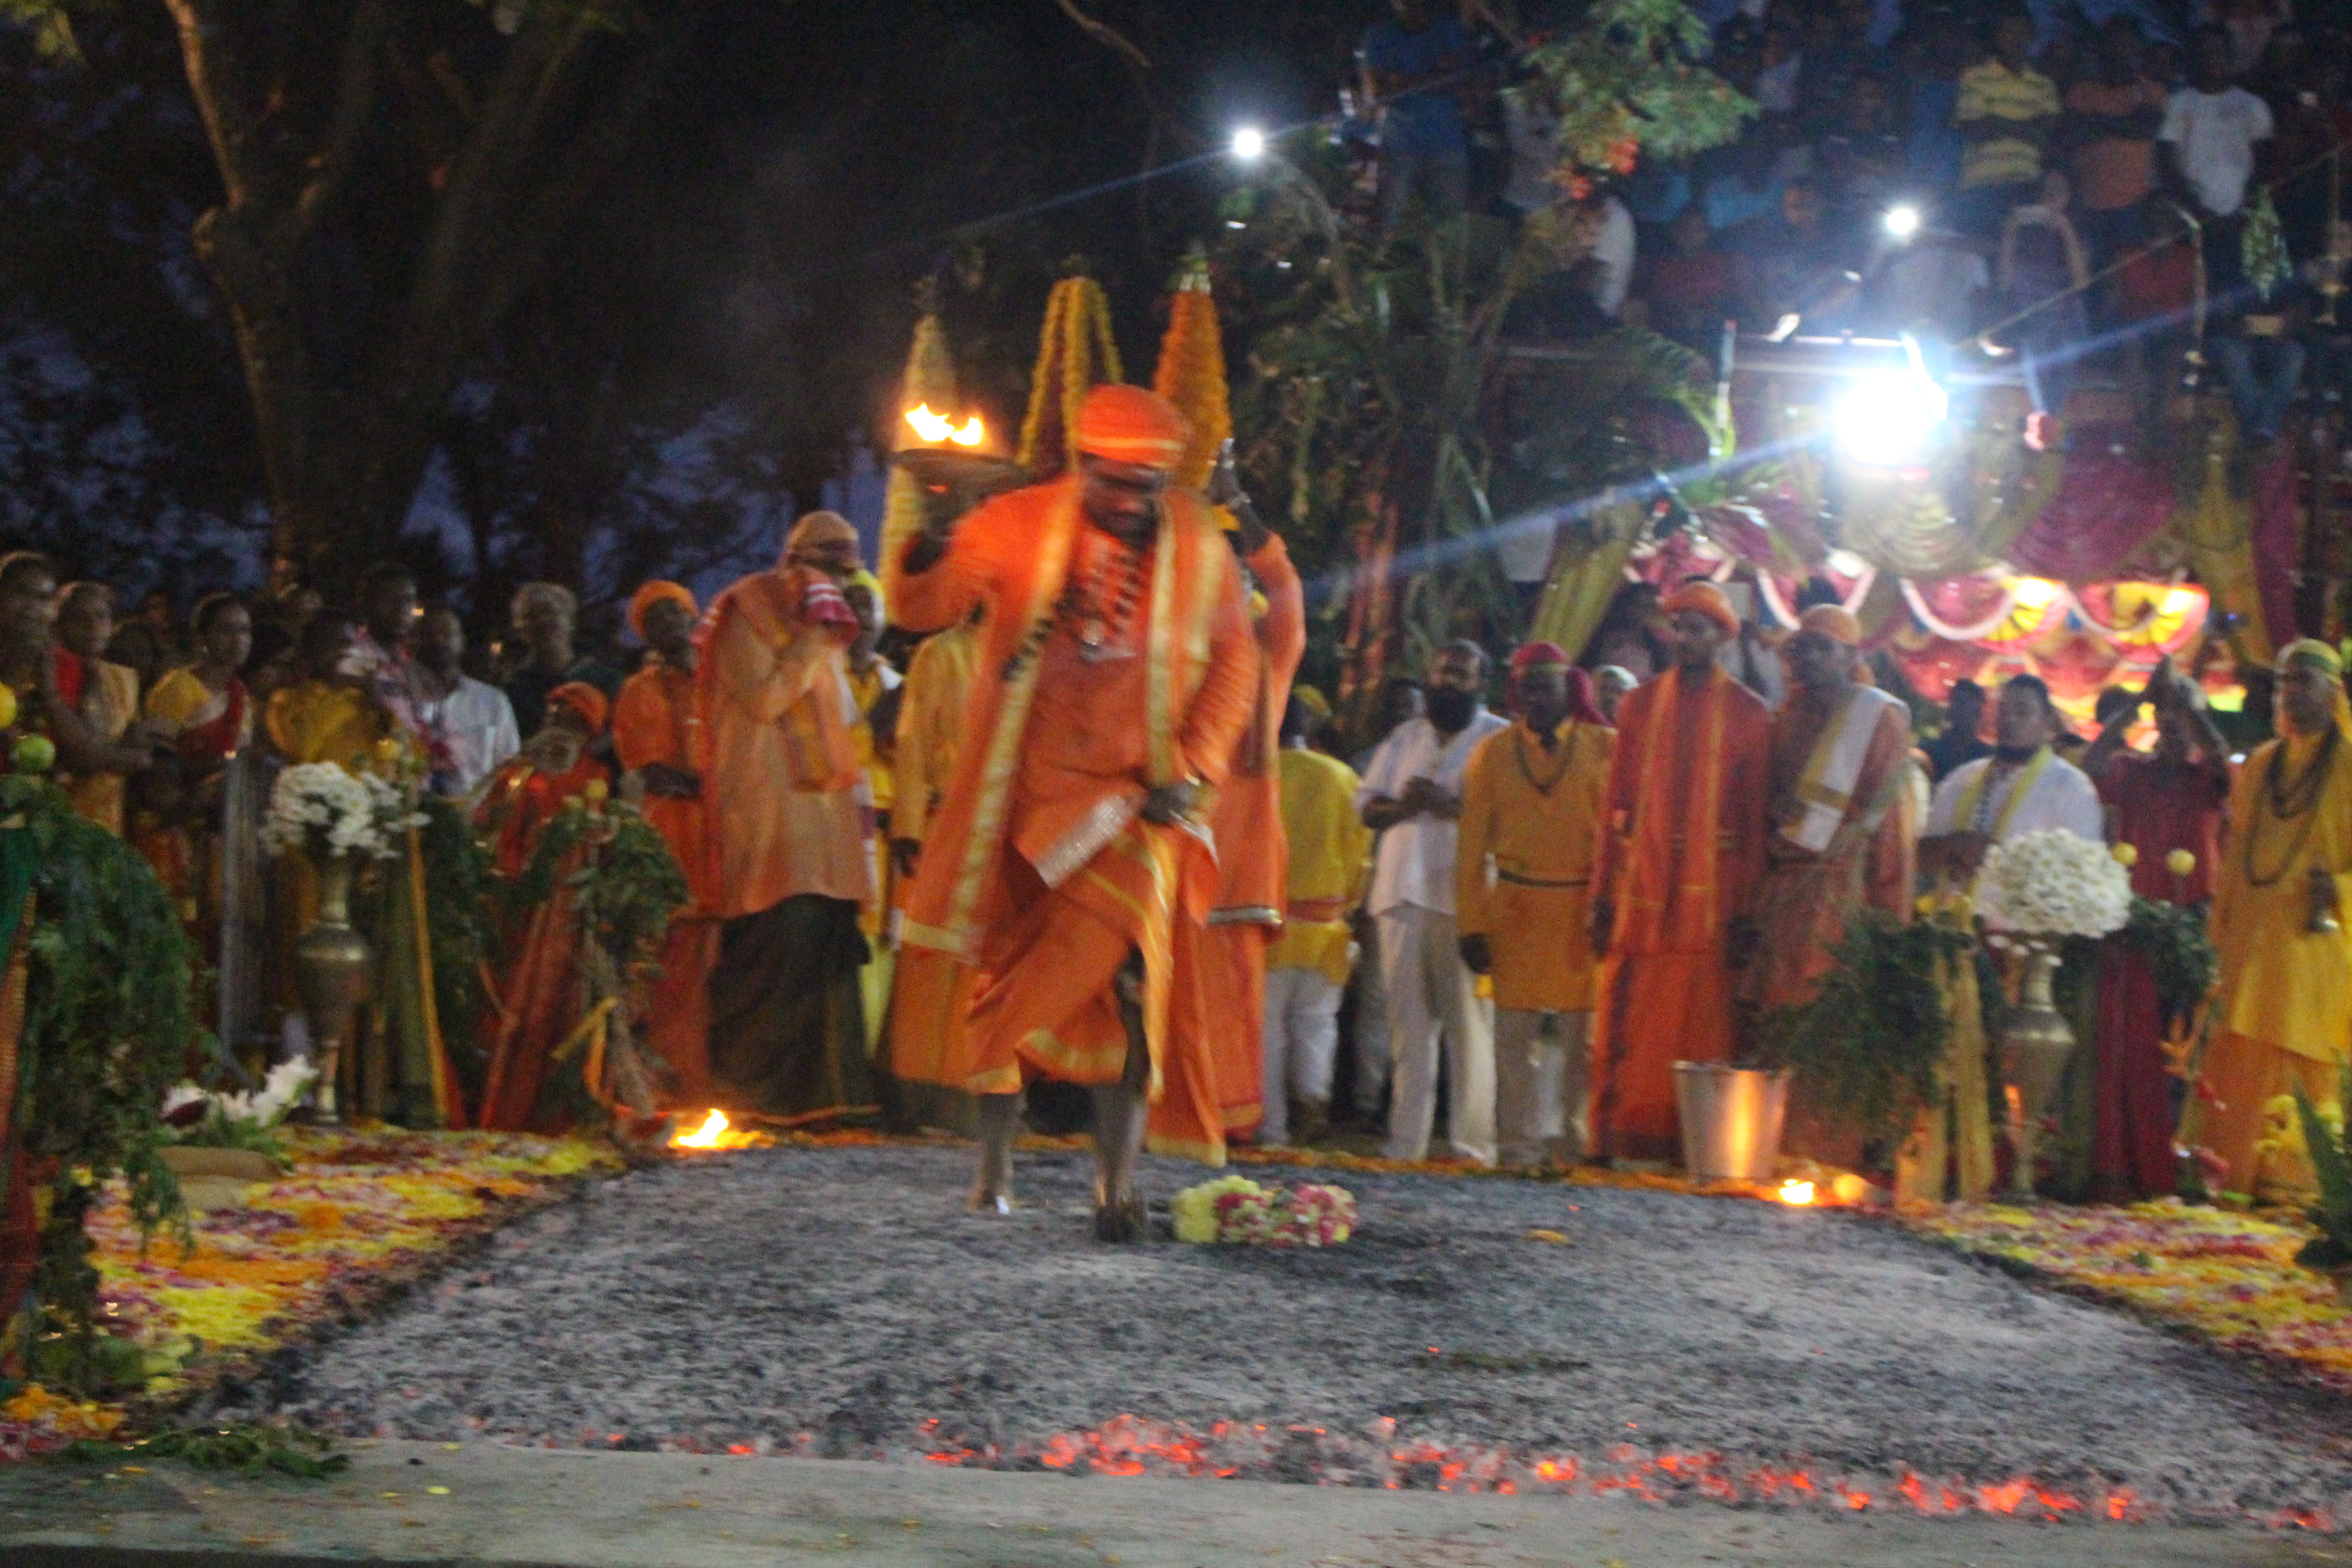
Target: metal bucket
column 1731, row 1119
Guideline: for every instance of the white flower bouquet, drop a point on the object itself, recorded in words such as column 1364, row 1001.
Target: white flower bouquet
column 1237, row 1211
column 201, row 1119
column 2055, row 884
column 324, row 810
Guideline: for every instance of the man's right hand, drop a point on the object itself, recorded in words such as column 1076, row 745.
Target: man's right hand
column 1604, row 923
column 906, row 854
column 1960, row 853
column 671, row 784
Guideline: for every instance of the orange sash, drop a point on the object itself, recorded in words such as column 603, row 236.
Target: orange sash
column 1672, row 901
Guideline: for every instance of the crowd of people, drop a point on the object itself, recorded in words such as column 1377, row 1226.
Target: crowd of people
column 2094, row 188
column 1095, row 834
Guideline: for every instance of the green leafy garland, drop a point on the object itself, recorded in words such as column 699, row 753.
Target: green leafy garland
column 460, row 926
column 626, row 891
column 2174, row 939
column 108, row 1024
column 2331, row 1212
column 1868, row 1045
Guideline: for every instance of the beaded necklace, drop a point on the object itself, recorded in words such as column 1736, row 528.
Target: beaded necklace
column 2289, row 800
column 1099, row 599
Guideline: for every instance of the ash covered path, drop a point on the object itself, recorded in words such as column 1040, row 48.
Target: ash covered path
column 840, row 1302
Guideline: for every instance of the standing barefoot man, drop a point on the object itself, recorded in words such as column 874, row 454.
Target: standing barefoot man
column 1117, row 667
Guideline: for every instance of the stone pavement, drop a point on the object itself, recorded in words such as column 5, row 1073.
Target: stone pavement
column 496, row 1507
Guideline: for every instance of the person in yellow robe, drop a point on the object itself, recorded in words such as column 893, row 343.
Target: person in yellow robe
column 1306, row 968
column 2284, row 1007
column 1534, row 799
column 110, row 704
column 874, row 686
column 930, row 991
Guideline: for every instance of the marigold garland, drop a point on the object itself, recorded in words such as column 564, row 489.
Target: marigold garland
column 1192, row 374
column 1074, row 354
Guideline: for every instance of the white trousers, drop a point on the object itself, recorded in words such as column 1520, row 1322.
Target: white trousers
column 1433, row 997
column 1302, row 1040
column 1542, row 1076
column 1370, row 1038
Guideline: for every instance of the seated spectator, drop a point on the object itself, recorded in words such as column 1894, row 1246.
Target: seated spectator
column 1413, row 65
column 1749, row 186
column 1930, row 285
column 1689, row 288
column 1860, row 158
column 1935, row 52
column 2006, row 112
column 2304, row 88
column 2205, row 153
column 2261, row 359
column 2155, row 285
column 2112, row 115
column 1794, row 262
column 2043, row 271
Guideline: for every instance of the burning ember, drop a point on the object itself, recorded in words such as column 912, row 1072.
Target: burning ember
column 1796, row 1194
column 717, row 1134
column 938, row 427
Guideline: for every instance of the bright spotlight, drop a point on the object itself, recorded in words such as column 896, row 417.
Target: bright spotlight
column 1903, row 222
column 1889, row 420
column 1249, row 143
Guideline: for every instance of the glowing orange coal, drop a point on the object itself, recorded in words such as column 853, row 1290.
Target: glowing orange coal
column 938, row 427
column 716, row 1133
column 1795, row 1193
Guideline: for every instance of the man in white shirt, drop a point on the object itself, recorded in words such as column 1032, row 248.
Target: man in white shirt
column 475, row 715
column 1412, row 796
column 2023, row 787
column 2206, row 147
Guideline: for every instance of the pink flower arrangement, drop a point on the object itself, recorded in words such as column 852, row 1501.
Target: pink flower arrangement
column 1238, row 1211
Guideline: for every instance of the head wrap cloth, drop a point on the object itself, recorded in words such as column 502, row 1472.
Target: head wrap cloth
column 1832, row 621
column 2310, row 650
column 583, row 699
column 1130, row 424
column 653, row 594
column 1704, row 599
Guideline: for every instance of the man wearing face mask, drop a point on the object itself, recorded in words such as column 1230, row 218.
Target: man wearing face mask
column 1412, row 797
column 1687, row 787
column 790, row 828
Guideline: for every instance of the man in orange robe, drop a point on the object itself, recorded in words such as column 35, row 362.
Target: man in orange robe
column 1117, row 670
column 658, row 735
column 791, row 828
column 1841, row 838
column 1684, row 846
column 1245, row 825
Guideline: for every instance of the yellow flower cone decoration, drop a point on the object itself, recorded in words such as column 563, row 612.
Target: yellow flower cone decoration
column 1074, row 355
column 931, row 380
column 1192, row 374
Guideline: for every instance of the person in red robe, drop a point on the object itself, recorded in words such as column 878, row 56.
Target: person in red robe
column 1119, row 671
column 658, row 735
column 2163, row 804
column 542, row 991
column 1245, row 824
column 1689, row 784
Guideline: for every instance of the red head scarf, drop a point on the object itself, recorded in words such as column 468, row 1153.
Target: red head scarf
column 1582, row 705
column 1129, row 425
column 583, row 699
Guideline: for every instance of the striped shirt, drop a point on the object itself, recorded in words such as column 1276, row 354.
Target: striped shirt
column 2027, row 100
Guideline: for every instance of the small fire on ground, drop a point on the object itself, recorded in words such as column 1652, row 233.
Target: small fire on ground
column 717, row 1133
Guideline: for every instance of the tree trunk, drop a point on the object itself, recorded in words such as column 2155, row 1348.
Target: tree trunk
column 343, row 453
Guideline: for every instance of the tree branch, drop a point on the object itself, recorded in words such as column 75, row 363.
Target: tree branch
column 219, row 79
column 1103, row 33
column 356, row 88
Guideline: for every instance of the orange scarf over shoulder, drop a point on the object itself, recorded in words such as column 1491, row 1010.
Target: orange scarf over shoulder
column 1673, row 893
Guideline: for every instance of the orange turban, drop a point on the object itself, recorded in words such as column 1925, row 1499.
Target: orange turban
column 1832, row 621
column 1705, row 599
column 817, row 528
column 583, row 699
column 653, row 594
column 1129, row 425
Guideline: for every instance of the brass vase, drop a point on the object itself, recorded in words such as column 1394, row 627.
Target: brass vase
column 330, row 969
column 2034, row 1047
